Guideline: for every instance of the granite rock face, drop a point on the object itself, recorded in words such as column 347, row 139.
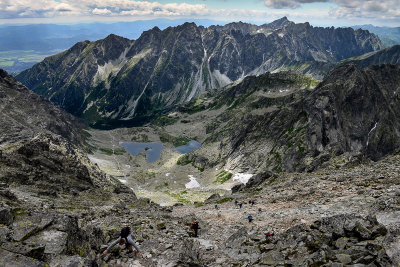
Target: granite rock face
column 118, row 81
column 279, row 122
column 25, row 114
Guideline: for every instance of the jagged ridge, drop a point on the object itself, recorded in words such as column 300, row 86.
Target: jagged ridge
column 120, row 79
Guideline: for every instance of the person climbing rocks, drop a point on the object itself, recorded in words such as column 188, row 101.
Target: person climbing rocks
column 253, row 202
column 195, row 227
column 240, row 205
column 216, row 206
column 250, row 218
column 268, row 235
column 259, row 210
column 126, row 237
column 236, row 202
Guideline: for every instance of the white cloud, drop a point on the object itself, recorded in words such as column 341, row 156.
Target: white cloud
column 342, row 10
column 349, row 10
column 35, row 8
column 289, row 3
column 355, row 9
column 101, row 11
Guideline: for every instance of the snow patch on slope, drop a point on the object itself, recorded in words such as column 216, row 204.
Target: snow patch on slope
column 242, row 177
column 193, row 183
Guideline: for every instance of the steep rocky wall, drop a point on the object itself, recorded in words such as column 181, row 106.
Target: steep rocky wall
column 278, row 122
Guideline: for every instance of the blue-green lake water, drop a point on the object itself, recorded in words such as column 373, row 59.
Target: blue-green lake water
column 153, row 149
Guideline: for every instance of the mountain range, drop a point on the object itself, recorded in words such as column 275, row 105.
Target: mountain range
column 116, row 81
column 389, row 35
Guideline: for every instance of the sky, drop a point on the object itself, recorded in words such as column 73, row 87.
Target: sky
column 317, row 12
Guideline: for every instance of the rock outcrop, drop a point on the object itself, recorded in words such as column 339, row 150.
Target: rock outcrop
column 278, row 122
column 116, row 81
column 25, row 114
column 44, row 173
column 335, row 241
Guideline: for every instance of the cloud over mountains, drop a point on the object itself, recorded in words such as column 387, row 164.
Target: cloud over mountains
column 340, row 9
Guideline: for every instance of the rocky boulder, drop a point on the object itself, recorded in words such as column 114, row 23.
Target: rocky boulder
column 341, row 240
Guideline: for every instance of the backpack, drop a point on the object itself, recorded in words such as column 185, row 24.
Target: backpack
column 125, row 232
column 194, row 225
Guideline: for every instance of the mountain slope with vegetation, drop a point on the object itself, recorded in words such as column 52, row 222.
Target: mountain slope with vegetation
column 116, row 81
column 279, row 122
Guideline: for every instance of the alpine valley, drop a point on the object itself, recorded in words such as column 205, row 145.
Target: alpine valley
column 303, row 120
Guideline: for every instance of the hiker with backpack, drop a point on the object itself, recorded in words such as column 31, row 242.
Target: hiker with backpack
column 250, row 218
column 126, row 237
column 268, row 235
column 195, row 227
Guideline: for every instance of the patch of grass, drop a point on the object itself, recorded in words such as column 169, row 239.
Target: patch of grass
column 164, row 185
column 278, row 161
column 193, row 106
column 223, row 176
column 223, row 200
column 109, row 152
column 183, row 160
column 201, row 204
column 164, row 121
column 19, row 212
column 179, row 197
column 301, row 148
column 241, row 100
column 176, row 141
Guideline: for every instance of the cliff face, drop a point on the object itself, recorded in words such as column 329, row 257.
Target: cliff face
column 125, row 80
column 43, row 174
column 25, row 114
column 40, row 145
column 278, row 122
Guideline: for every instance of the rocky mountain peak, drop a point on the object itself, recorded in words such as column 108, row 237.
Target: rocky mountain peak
column 114, row 38
column 279, row 23
column 154, row 29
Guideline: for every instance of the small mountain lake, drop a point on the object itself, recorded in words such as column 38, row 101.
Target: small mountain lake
column 153, row 149
column 189, row 147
